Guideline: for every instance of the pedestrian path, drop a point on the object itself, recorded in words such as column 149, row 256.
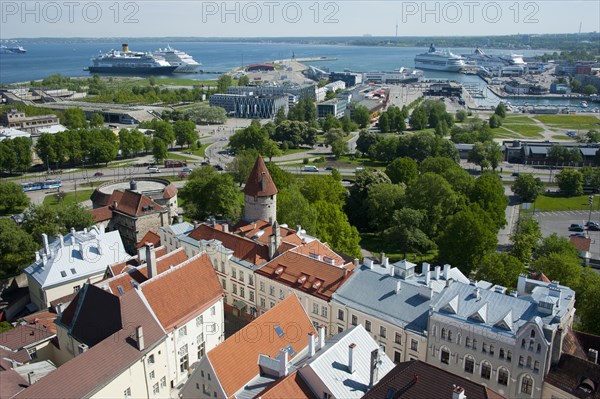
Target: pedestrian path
column 573, row 213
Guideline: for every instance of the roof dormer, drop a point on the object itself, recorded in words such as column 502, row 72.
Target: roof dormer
column 505, row 323
column 481, row 314
column 451, row 306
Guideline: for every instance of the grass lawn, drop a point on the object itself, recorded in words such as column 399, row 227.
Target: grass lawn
column 518, row 119
column 373, row 243
column 70, row 198
column 561, row 137
column 200, row 151
column 531, row 131
column 179, row 156
column 554, row 203
column 130, row 82
column 504, row 133
column 293, row 151
column 575, row 122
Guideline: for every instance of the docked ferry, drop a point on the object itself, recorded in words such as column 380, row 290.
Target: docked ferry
column 439, row 60
column 131, row 62
column 184, row 62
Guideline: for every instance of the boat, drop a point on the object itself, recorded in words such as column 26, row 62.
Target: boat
column 12, row 50
column 184, row 62
column 584, row 104
column 130, row 62
column 439, row 60
column 512, row 65
column 401, row 75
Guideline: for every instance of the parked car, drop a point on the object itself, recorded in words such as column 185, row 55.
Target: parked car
column 154, row 169
column 593, row 226
column 310, row 168
column 187, row 170
column 183, row 174
column 576, row 227
column 516, row 174
column 581, row 235
column 98, row 174
column 218, row 167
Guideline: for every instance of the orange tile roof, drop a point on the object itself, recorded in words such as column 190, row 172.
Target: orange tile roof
column 305, row 274
column 235, row 361
column 140, row 274
column 123, row 267
column 292, row 387
column 581, row 243
column 260, row 183
column 170, row 191
column 43, row 320
column 134, row 204
column 150, row 237
column 174, row 295
column 243, row 248
column 101, row 214
column 316, row 248
column 250, row 230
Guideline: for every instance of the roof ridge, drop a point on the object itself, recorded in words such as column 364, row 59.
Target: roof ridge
column 173, row 268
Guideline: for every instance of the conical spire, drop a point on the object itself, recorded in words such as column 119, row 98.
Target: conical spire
column 260, row 183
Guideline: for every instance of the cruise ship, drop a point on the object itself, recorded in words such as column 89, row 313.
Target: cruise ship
column 512, row 65
column 184, row 62
column 402, row 75
column 439, row 60
column 12, row 50
column 131, row 62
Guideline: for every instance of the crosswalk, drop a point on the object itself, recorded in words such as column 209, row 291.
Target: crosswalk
column 570, row 213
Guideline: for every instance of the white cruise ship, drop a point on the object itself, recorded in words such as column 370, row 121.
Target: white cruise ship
column 184, row 62
column 439, row 60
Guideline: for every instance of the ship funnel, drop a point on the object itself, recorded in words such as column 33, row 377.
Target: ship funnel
column 125, row 47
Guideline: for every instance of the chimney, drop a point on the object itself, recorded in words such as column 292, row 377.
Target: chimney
column 102, row 228
column 29, row 375
column 311, row 344
column 425, row 268
column 446, row 271
column 436, row 273
column 477, row 293
column 382, row 257
column 179, row 218
column 283, row 363
column 45, row 243
column 73, row 241
column 398, row 286
column 374, row 367
column 514, row 294
column 458, row 393
column 72, row 230
column 115, row 204
column 356, row 262
column 61, row 240
column 592, row 355
column 141, row 253
column 44, row 260
column 81, row 249
column 321, row 336
column 150, row 260
column 298, row 228
column 139, row 337
column 98, row 246
column 369, row 263
column 521, row 284
column 427, row 277
column 59, row 309
column 263, row 181
column 37, row 256
column 82, row 348
column 351, row 357
column 85, row 230
column 272, row 246
column 225, row 227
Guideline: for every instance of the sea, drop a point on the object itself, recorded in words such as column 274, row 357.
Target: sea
column 70, row 58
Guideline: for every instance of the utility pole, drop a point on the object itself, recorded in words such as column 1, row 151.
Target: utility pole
column 591, row 202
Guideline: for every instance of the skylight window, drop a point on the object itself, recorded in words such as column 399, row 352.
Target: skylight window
column 63, row 273
column 291, row 350
column 279, row 331
column 73, row 271
column 121, row 290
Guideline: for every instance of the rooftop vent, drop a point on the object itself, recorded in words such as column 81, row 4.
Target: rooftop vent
column 279, row 270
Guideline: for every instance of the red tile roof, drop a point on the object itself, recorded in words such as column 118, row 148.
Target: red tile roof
column 11, row 383
column 539, row 276
column 24, row 335
column 139, row 274
column 102, row 214
column 175, row 296
column 305, row 274
column 123, row 267
column 43, row 320
column 87, row 373
column 170, row 191
column 260, row 183
column 103, row 199
column 235, row 361
column 292, row 387
column 243, row 248
column 136, row 204
column 581, row 243
column 316, row 248
column 150, row 237
column 250, row 230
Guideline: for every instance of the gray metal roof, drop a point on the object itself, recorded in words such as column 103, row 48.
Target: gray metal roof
column 180, row 228
column 588, row 152
column 538, row 150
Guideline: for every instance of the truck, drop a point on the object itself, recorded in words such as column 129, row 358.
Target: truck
column 175, row 163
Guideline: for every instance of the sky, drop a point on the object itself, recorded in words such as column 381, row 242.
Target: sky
column 301, row 18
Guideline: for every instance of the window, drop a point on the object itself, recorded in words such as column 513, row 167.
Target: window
column 486, row 370
column 521, row 361
column 241, row 276
column 341, row 315
column 484, row 348
column 501, row 353
column 271, row 290
column 509, row 356
column 251, row 293
column 531, row 345
column 445, row 356
column 354, row 320
column 251, row 280
column 539, row 348
column 224, row 283
column 368, row 325
column 474, row 344
column 382, row 332
column 315, row 308
column 184, row 360
column 503, row 376
column 340, row 329
column 443, row 333
column 527, row 385
column 151, row 359
column 281, row 294
column 234, row 288
column 532, row 334
column 449, row 335
column 163, row 382
column 262, row 303
column 233, row 273
column 32, row 353
column 468, row 342
column 397, row 357
column 326, row 395
column 271, row 304
column 183, row 331
column 528, row 361
column 261, row 286
column 199, row 321
column 222, row 266
column 414, row 345
column 469, row 364
column 76, row 289
column 151, row 375
column 242, row 292
column 213, row 311
column 201, row 346
column 536, row 365
column 523, row 343
column 155, row 388
column 491, row 350
column 324, row 311
column 398, row 339
column 127, row 393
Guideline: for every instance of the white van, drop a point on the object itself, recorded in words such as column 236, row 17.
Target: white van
column 310, row 168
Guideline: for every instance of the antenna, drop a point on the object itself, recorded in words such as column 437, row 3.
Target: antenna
column 580, row 23
column 396, row 28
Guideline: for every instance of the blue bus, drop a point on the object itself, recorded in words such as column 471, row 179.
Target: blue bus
column 52, row 184
column 41, row 185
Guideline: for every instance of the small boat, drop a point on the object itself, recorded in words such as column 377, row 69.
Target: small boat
column 584, row 104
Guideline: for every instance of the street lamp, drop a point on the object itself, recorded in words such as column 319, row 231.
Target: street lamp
column 591, row 202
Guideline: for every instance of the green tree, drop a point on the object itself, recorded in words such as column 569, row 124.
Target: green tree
column 251, row 138
column 12, row 197
column 73, row 216
column 244, row 80
column 271, row 149
column 558, row 154
column 461, row 115
column 559, row 266
column 526, row 238
column 331, row 122
column 5, row 326
column 355, row 206
column 555, row 244
column 207, row 115
column 74, row 118
column 339, row 147
column 488, row 192
column 361, row 116
column 348, row 125
column 588, row 90
column 159, row 150
column 323, row 188
column 17, row 248
column 494, row 154
column 185, row 132
column 467, row 238
column 223, row 83
column 406, row 232
column 527, row 187
column 402, row 170
column 500, row 268
column 366, row 139
column 418, row 119
column 382, row 201
column 96, row 120
column 281, row 178
column 588, row 305
column 500, row 111
column 241, row 165
column 295, row 210
column 479, row 155
column 333, row 227
column 384, row 123
column 570, row 182
column 208, row 192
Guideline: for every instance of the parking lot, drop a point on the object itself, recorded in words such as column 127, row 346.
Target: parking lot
column 559, row 222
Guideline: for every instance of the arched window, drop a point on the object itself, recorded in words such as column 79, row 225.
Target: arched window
column 503, row 376
column 443, row 333
column 445, row 355
column 523, row 343
column 532, row 335
column 539, row 348
column 449, row 335
column 434, row 331
column 486, row 370
column 501, row 353
column 527, row 385
column 458, row 339
column 508, row 356
column 469, row 364
column 528, row 361
column 474, row 344
column 491, row 350
column 468, row 342
column 536, row 365
column 521, row 361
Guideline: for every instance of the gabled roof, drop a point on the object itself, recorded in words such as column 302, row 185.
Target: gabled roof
column 581, row 243
column 243, row 248
column 506, row 323
column 452, row 305
column 292, row 387
column 260, row 183
column 305, row 274
column 102, row 214
column 260, row 230
column 235, row 360
column 480, row 314
column 316, row 249
column 43, row 320
column 330, row 363
column 24, row 335
column 11, row 383
column 417, row 380
column 88, row 372
column 571, row 372
column 183, row 292
column 127, row 281
column 150, row 237
column 135, row 204
column 130, row 264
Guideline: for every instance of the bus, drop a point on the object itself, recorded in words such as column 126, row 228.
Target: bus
column 52, row 184
column 48, row 184
column 32, row 186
